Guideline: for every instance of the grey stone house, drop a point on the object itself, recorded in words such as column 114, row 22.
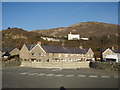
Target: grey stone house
column 10, row 51
column 110, row 52
column 55, row 53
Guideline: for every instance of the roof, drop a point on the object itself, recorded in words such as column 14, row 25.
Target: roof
column 7, row 49
column 61, row 49
column 116, row 50
column 30, row 46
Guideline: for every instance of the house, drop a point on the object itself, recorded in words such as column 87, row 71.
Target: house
column 89, row 54
column 55, row 53
column 24, row 52
column 84, row 39
column 111, row 54
column 115, row 57
column 10, row 52
column 50, row 39
column 73, row 36
column 108, row 52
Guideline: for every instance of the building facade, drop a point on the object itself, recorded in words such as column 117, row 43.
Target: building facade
column 111, row 54
column 73, row 36
column 55, row 53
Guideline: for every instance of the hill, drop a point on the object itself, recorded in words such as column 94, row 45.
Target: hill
column 101, row 35
column 85, row 29
column 17, row 37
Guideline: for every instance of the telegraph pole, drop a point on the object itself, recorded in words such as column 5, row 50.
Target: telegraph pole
column 101, row 56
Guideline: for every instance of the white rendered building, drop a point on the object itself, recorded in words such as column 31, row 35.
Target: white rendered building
column 73, row 36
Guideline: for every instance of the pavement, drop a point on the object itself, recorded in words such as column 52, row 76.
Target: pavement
column 21, row 77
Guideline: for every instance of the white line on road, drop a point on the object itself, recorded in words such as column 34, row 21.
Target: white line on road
column 69, row 75
column 56, row 69
column 41, row 74
column 50, row 74
column 105, row 76
column 31, row 74
column 94, row 76
column 81, row 75
column 24, row 73
column 59, row 75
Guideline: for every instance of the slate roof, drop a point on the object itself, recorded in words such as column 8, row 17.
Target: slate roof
column 116, row 50
column 61, row 49
column 7, row 49
column 30, row 47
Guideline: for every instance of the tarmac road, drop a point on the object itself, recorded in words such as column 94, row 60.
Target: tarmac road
column 55, row 78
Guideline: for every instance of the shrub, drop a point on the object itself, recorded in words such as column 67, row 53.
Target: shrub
column 11, row 63
column 105, row 65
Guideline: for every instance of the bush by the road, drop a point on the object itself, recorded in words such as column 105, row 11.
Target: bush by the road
column 105, row 65
column 11, row 63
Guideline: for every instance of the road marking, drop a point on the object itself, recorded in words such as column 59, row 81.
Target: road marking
column 105, row 76
column 41, row 74
column 31, row 74
column 35, row 73
column 24, row 73
column 50, row 74
column 81, row 75
column 57, row 69
column 69, row 76
column 94, row 76
column 59, row 75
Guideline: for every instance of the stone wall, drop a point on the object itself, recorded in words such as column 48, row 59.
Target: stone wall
column 55, row 64
column 105, row 65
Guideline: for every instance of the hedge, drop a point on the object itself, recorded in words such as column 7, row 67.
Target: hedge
column 11, row 63
column 105, row 65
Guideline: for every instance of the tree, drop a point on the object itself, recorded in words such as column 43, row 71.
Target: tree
column 8, row 28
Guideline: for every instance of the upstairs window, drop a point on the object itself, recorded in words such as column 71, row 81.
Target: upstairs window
column 33, row 54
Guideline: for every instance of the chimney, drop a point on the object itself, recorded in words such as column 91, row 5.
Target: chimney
column 113, row 48
column 81, row 47
column 39, row 43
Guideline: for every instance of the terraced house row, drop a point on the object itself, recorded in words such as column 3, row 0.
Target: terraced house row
column 38, row 52
column 48, row 53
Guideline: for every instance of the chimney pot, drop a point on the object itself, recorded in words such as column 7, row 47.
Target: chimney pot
column 39, row 43
column 81, row 47
column 113, row 48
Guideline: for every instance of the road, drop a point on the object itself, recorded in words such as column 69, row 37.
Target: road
column 21, row 77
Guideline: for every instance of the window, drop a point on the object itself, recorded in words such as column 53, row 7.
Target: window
column 66, row 55
column 39, row 54
column 33, row 54
column 59, row 55
column 82, row 55
column 42, row 54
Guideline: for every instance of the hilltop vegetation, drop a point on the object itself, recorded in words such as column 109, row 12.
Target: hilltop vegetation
column 85, row 29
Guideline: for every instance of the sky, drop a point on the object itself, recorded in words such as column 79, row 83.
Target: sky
column 46, row 15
